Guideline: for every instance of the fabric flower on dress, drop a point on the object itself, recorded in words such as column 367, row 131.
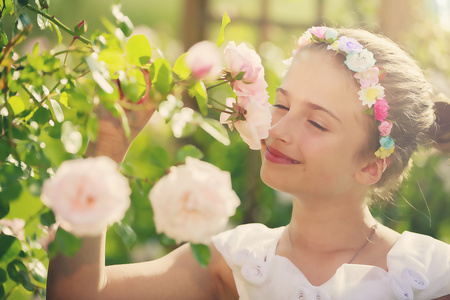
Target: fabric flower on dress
column 255, row 271
column 193, row 202
column 86, row 195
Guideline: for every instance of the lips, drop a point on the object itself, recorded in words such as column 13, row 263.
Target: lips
column 278, row 157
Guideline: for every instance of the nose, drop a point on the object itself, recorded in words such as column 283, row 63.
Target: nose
column 282, row 128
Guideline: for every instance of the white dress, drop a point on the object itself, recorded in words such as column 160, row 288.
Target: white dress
column 419, row 268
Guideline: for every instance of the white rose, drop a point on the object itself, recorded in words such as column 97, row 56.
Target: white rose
column 193, row 202
column 86, row 195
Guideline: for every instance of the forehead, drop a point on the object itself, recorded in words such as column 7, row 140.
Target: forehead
column 320, row 76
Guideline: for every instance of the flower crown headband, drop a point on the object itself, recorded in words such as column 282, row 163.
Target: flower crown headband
column 368, row 76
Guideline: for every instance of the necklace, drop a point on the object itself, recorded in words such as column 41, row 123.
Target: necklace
column 374, row 229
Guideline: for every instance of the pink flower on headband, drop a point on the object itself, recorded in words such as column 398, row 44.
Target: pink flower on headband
column 318, row 31
column 368, row 77
column 349, row 45
column 304, row 40
column 381, row 109
column 385, row 127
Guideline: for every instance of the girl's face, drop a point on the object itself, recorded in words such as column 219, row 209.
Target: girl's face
column 318, row 129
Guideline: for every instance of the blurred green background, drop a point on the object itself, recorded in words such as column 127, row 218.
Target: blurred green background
column 271, row 26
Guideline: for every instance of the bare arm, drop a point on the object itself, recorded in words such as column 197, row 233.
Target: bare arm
column 175, row 276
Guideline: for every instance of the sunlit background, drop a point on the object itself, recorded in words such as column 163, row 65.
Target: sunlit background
column 422, row 27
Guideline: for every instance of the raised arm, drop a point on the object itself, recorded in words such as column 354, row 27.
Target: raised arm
column 175, row 276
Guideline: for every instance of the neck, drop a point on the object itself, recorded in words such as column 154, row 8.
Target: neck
column 330, row 226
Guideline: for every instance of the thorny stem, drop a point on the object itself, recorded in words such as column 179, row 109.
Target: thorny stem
column 58, row 23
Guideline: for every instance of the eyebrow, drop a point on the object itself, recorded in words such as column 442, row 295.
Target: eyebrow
column 312, row 105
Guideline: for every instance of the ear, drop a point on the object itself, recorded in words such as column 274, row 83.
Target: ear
column 371, row 171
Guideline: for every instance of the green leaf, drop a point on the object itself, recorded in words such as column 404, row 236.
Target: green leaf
column 127, row 234
column 4, row 208
column 43, row 4
column 47, row 218
column 180, row 68
column 8, row 8
column 199, row 92
column 3, row 276
column 216, row 130
column 18, row 272
column 41, row 115
column 225, row 21
column 9, row 247
column 58, row 32
column 22, row 2
column 159, row 157
column 2, row 291
column 38, row 270
column 64, row 242
column 5, row 149
column 138, row 50
column 10, row 189
column 188, row 150
column 166, row 241
column 201, row 253
column 3, row 38
column 113, row 59
column 161, row 75
column 56, row 111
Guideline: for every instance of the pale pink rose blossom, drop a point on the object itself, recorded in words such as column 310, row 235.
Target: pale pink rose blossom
column 368, row 77
column 257, row 121
column 13, row 227
column 86, row 195
column 318, row 31
column 385, row 128
column 204, row 61
column 193, row 202
column 381, row 109
column 242, row 59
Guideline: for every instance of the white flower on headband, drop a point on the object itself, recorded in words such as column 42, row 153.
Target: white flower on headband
column 369, row 95
column 359, row 62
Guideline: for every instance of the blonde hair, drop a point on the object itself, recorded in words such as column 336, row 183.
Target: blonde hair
column 410, row 98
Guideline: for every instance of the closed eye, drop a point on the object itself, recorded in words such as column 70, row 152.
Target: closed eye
column 280, row 106
column 321, row 128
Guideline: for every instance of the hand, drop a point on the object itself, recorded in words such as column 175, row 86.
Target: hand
column 111, row 140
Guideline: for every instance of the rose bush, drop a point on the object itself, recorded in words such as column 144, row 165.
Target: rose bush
column 86, row 195
column 193, row 202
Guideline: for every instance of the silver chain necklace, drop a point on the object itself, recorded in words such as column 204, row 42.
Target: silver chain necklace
column 374, row 228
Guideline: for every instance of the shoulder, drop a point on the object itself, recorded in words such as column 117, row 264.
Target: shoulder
column 422, row 259
column 245, row 241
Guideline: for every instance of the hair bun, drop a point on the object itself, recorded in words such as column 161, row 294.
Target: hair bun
column 440, row 132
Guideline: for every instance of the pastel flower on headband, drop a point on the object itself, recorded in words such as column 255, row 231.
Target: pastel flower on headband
column 367, row 75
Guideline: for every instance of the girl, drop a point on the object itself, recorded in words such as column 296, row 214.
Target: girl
column 341, row 135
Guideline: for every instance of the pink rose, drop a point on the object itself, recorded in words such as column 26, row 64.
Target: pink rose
column 303, row 41
column 193, row 202
column 86, row 195
column 381, row 109
column 13, row 227
column 385, row 127
column 242, row 59
column 49, row 235
column 204, row 60
column 318, row 31
column 368, row 77
column 252, row 121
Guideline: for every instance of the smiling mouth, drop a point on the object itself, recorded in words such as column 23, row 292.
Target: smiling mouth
column 277, row 157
